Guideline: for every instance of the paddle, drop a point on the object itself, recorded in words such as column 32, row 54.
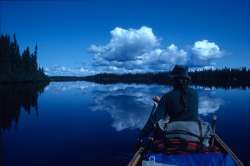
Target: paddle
column 138, row 155
column 224, row 146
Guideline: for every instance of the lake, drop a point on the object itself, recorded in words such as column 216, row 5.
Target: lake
column 82, row 123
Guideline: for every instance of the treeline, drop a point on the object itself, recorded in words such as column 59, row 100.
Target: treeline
column 66, row 78
column 226, row 78
column 16, row 66
column 145, row 78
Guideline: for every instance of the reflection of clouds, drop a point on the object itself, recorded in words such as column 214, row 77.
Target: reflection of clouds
column 208, row 104
column 59, row 87
column 130, row 105
column 125, row 113
column 197, row 87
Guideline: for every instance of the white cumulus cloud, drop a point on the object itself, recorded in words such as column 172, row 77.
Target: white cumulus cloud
column 205, row 50
column 140, row 50
column 162, row 58
column 126, row 45
column 136, row 50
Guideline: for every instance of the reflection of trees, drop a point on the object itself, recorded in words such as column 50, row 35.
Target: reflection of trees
column 13, row 97
column 1, row 149
column 130, row 105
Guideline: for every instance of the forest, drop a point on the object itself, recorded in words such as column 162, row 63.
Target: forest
column 23, row 67
column 226, row 78
column 16, row 66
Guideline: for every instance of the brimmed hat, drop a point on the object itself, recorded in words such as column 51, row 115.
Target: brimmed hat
column 180, row 71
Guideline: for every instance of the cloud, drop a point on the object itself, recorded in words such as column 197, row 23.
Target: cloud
column 203, row 52
column 126, row 45
column 136, row 50
column 206, row 50
column 161, row 59
column 140, row 50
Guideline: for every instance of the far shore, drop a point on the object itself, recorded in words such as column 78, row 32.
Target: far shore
column 228, row 78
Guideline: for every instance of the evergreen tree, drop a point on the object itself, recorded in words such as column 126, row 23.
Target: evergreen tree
column 15, row 66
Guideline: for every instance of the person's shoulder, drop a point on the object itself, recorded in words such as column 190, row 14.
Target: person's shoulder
column 169, row 95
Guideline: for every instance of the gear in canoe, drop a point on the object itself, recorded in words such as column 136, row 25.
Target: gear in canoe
column 174, row 135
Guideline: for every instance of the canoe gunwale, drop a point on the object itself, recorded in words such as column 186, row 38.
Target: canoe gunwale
column 137, row 158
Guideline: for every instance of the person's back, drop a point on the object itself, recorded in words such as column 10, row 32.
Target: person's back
column 180, row 107
column 180, row 104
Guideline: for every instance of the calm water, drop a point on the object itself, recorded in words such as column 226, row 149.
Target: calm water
column 79, row 123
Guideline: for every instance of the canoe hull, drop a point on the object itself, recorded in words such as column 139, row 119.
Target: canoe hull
column 225, row 154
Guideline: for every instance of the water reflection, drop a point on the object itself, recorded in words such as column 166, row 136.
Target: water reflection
column 14, row 98
column 59, row 87
column 79, row 121
column 209, row 104
column 1, row 149
column 130, row 105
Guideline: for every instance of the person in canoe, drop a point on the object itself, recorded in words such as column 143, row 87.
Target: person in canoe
column 180, row 107
column 183, row 139
column 181, row 103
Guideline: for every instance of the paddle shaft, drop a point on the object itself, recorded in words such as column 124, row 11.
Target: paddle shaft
column 229, row 151
column 137, row 157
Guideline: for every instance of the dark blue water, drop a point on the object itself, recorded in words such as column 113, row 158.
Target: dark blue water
column 79, row 123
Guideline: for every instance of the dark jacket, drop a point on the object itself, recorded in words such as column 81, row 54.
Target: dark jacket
column 173, row 105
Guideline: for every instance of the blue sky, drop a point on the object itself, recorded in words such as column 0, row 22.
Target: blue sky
column 78, row 38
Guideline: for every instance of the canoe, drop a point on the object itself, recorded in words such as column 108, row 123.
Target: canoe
column 139, row 157
column 222, row 156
